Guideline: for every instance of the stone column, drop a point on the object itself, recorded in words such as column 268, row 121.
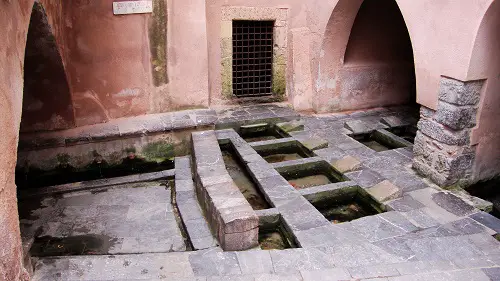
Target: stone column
column 442, row 149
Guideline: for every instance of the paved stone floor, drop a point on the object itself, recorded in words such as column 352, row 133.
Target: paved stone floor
column 426, row 234
column 124, row 219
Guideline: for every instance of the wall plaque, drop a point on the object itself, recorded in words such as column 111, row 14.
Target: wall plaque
column 132, row 7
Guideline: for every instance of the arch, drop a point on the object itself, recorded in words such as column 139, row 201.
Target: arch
column 485, row 64
column 47, row 103
column 352, row 76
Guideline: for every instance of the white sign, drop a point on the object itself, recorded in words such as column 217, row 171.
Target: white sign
column 132, row 7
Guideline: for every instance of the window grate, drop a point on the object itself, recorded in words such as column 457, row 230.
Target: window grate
column 252, row 58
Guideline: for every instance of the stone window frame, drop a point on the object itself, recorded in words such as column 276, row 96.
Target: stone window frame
column 279, row 16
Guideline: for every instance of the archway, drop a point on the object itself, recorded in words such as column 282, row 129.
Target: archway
column 366, row 58
column 47, row 101
column 485, row 64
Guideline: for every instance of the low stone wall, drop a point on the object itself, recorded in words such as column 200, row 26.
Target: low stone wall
column 232, row 219
column 154, row 137
column 442, row 149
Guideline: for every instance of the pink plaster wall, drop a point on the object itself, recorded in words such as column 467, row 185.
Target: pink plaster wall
column 14, row 20
column 188, row 54
column 485, row 64
column 108, row 61
column 374, row 67
column 442, row 44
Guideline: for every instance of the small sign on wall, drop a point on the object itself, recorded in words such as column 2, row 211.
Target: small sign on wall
column 132, row 7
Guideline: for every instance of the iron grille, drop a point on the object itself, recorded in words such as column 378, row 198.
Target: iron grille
column 252, row 58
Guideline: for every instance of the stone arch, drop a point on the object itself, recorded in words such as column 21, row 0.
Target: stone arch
column 14, row 21
column 351, row 76
column 47, row 102
column 485, row 64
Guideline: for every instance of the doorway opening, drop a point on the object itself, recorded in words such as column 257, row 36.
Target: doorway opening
column 252, row 58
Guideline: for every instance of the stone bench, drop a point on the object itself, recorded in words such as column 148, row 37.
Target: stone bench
column 232, row 219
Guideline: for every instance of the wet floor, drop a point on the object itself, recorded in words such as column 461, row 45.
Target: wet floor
column 71, row 246
column 261, row 135
column 243, row 180
column 275, row 238
column 378, row 147
column 281, row 157
column 309, row 181
column 130, row 218
column 348, row 206
column 488, row 190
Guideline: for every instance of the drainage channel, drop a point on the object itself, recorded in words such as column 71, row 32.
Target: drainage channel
column 242, row 178
column 178, row 219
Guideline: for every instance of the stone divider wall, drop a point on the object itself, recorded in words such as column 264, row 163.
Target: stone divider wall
column 232, row 219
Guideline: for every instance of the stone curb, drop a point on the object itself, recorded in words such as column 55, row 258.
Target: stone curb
column 190, row 212
column 229, row 214
column 96, row 184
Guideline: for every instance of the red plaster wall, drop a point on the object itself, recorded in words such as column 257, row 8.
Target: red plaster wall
column 379, row 35
column 378, row 61
column 108, row 61
column 14, row 19
column 485, row 64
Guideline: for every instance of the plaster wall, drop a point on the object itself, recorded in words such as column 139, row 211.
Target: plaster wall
column 187, row 54
column 13, row 30
column 429, row 27
column 485, row 64
column 374, row 68
column 129, row 65
column 108, row 61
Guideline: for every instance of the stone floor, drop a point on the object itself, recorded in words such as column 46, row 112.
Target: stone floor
column 426, row 234
column 124, row 219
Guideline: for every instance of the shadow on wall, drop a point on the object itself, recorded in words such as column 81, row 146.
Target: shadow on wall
column 377, row 68
column 47, row 100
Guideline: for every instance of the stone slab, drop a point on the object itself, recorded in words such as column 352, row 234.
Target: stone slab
column 384, row 191
column 346, row 164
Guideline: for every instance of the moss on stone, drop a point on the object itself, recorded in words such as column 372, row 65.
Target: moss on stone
column 291, row 126
column 279, row 77
column 158, row 42
column 158, row 151
column 227, row 80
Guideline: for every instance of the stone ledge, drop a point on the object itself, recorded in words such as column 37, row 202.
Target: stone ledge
column 190, row 212
column 317, row 192
column 122, row 127
column 96, row 184
column 297, row 162
column 229, row 214
column 258, row 144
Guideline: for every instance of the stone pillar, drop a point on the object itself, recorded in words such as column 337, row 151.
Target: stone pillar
column 442, row 149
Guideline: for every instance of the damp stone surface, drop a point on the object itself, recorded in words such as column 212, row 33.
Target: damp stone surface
column 124, row 219
column 419, row 232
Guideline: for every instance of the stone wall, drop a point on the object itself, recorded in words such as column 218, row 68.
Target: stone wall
column 443, row 151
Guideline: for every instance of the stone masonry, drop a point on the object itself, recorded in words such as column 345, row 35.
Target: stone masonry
column 232, row 219
column 442, row 149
